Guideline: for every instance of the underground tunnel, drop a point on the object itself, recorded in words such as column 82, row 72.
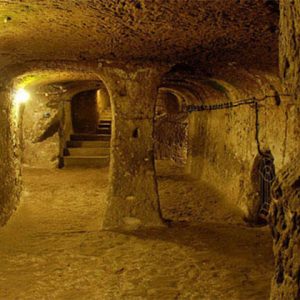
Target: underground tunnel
column 149, row 149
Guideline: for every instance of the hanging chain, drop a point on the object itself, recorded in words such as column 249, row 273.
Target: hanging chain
column 227, row 105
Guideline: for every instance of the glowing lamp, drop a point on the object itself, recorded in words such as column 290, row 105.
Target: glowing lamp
column 21, row 96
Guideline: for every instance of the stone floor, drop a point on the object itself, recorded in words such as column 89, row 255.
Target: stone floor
column 52, row 248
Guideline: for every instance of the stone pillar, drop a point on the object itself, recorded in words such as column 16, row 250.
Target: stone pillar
column 10, row 171
column 133, row 195
column 285, row 210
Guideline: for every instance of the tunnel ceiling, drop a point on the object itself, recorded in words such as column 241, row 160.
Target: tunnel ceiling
column 61, row 87
column 203, row 32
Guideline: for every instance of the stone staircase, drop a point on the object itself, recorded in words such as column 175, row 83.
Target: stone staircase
column 90, row 149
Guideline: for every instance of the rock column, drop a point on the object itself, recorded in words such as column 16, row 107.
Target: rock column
column 133, row 195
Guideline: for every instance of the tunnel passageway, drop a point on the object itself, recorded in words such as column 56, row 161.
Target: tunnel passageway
column 211, row 85
column 52, row 245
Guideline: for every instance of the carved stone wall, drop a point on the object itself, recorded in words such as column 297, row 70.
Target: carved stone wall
column 10, row 174
column 285, row 217
column 41, row 121
column 171, row 132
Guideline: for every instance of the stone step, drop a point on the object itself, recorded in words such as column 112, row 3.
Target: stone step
column 88, row 144
column 101, row 124
column 104, row 127
column 88, row 151
column 83, row 161
column 104, row 130
column 89, row 137
column 105, row 136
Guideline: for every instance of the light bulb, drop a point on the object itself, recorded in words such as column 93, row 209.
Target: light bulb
column 21, row 96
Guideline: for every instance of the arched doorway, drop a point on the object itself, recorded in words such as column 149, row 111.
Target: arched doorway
column 89, row 142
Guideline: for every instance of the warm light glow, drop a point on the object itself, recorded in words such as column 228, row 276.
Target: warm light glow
column 21, row 96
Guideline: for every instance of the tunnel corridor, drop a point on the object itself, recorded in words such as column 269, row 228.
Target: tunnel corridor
column 150, row 149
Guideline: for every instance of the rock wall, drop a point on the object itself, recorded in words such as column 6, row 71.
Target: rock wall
column 170, row 138
column 171, row 129
column 10, row 175
column 285, row 217
column 289, row 45
column 41, row 123
column 285, row 226
column 225, row 143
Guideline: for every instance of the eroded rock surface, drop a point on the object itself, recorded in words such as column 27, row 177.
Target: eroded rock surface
column 286, row 207
column 206, row 31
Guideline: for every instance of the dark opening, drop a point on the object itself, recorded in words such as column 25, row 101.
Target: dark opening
column 167, row 103
column 85, row 116
column 277, row 98
column 296, row 184
column 136, row 133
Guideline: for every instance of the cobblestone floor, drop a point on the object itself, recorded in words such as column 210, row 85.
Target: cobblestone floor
column 52, row 248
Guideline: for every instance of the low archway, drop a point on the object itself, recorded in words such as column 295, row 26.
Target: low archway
column 29, row 76
column 88, row 142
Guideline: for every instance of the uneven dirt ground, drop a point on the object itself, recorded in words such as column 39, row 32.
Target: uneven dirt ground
column 52, row 247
